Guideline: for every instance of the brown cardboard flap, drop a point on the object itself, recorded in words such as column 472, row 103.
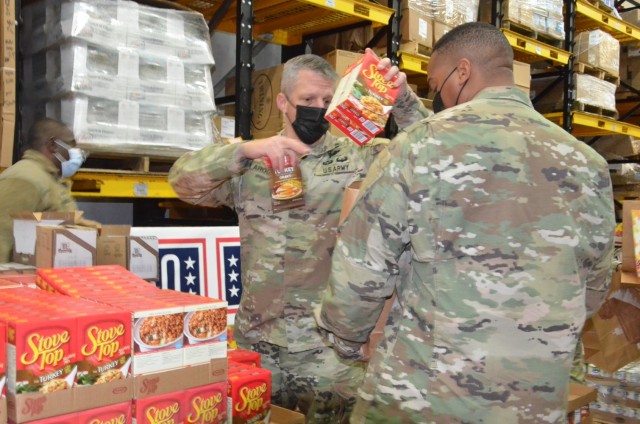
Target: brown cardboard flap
column 159, row 383
column 350, row 195
column 628, row 258
column 580, row 395
column 35, row 406
column 115, row 230
column 98, row 395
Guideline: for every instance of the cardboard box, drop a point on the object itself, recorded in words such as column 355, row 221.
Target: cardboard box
column 167, row 408
column 266, row 118
column 285, row 416
column 137, row 254
column 522, row 75
column 3, row 359
column 249, row 394
column 8, row 92
column 8, row 37
column 226, row 126
column 631, row 16
column 598, row 49
column 417, row 26
column 116, row 414
column 3, row 409
column 342, row 59
column 65, row 246
column 24, row 231
column 362, row 102
column 628, row 257
column 206, row 404
column 580, row 395
column 180, row 379
column 7, row 132
column 439, row 30
column 616, row 146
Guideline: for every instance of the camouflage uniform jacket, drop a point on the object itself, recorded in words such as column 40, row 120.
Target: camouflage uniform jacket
column 285, row 255
column 509, row 221
column 31, row 184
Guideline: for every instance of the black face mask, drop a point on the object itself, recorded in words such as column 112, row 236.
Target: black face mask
column 310, row 124
column 438, row 104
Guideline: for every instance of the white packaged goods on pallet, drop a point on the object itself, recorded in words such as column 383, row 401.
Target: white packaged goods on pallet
column 449, row 12
column 84, row 68
column 126, row 78
column 598, row 49
column 543, row 17
column 102, row 125
column 79, row 67
column 118, row 24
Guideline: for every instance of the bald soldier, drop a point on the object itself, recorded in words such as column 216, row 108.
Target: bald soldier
column 509, row 222
column 36, row 182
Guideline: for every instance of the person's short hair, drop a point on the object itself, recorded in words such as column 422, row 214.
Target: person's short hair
column 44, row 129
column 475, row 39
column 309, row 62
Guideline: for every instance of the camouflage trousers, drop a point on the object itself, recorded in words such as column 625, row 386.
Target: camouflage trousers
column 316, row 382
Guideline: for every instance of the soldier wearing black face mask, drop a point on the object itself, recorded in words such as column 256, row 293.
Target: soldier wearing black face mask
column 285, row 255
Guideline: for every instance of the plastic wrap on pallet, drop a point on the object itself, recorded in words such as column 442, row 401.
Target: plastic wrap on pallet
column 595, row 92
column 84, row 68
column 121, row 23
column 106, row 126
column 598, row 49
column 541, row 16
column 449, row 12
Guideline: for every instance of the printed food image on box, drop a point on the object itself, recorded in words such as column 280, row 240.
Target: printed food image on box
column 363, row 100
column 162, row 331
column 104, row 349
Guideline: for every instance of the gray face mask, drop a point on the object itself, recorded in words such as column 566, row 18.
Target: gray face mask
column 76, row 158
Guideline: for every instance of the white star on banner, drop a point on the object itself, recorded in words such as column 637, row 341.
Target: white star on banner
column 190, row 263
column 190, row 279
column 234, row 291
column 233, row 276
column 233, row 261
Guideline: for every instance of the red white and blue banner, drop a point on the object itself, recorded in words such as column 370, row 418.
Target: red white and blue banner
column 201, row 260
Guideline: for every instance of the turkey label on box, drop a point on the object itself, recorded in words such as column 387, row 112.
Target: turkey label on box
column 363, row 100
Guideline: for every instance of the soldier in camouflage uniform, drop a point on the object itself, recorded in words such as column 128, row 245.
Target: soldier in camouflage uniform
column 286, row 255
column 509, row 221
column 34, row 183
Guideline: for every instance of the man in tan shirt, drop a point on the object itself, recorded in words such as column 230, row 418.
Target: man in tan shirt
column 37, row 183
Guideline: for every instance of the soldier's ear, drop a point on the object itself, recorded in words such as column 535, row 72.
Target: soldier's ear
column 281, row 101
column 464, row 70
column 50, row 145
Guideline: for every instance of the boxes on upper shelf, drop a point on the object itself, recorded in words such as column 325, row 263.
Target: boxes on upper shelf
column 102, row 125
column 598, row 49
column 77, row 66
column 121, row 24
column 541, row 17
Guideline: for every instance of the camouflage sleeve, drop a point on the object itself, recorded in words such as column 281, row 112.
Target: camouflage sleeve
column 365, row 260
column 409, row 110
column 601, row 256
column 204, row 177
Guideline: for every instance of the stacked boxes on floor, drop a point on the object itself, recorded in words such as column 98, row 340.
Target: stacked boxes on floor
column 124, row 77
column 7, row 81
column 101, row 337
column 249, row 388
column 618, row 394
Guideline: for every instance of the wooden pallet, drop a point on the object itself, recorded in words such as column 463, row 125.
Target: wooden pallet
column 584, row 68
column 127, row 164
column 601, row 5
column 595, row 110
column 527, row 31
